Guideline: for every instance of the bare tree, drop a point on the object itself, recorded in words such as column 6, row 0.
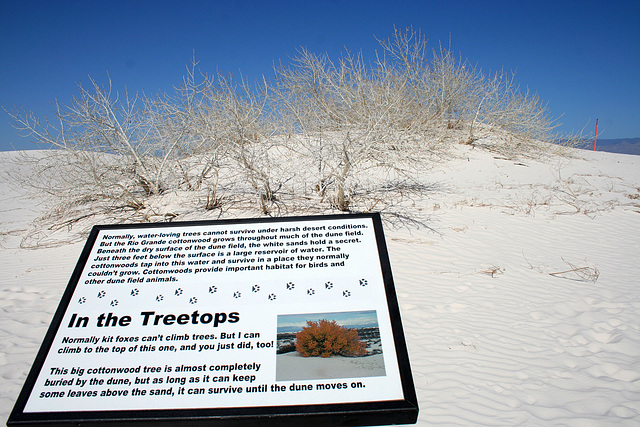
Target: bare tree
column 499, row 104
column 404, row 67
column 341, row 125
column 107, row 143
column 231, row 122
column 348, row 115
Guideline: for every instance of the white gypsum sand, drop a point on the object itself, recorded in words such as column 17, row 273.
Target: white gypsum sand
column 520, row 301
column 293, row 366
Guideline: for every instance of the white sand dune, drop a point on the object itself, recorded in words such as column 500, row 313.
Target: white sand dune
column 292, row 366
column 520, row 303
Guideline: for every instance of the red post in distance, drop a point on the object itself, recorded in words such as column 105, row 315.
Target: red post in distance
column 596, row 138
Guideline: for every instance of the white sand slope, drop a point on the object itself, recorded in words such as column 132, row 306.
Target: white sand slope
column 520, row 303
column 292, row 366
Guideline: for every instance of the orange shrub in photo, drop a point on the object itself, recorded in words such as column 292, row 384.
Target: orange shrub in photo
column 326, row 338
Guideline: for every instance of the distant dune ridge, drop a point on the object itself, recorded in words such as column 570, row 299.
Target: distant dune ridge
column 622, row 145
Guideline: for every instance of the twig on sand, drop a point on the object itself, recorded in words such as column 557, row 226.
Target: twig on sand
column 580, row 274
column 493, row 271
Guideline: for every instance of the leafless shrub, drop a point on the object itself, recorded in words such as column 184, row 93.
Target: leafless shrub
column 103, row 147
column 328, row 133
column 456, row 86
column 233, row 131
column 352, row 119
column 500, row 104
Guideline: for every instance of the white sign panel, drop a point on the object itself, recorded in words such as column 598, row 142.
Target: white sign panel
column 228, row 314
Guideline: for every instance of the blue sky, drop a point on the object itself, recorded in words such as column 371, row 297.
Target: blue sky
column 581, row 57
column 349, row 319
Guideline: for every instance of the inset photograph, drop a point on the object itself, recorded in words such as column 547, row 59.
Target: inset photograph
column 314, row 346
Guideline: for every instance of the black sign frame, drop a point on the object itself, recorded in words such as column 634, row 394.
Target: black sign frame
column 402, row 411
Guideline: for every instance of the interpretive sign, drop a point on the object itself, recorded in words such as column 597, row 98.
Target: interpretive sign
column 277, row 321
